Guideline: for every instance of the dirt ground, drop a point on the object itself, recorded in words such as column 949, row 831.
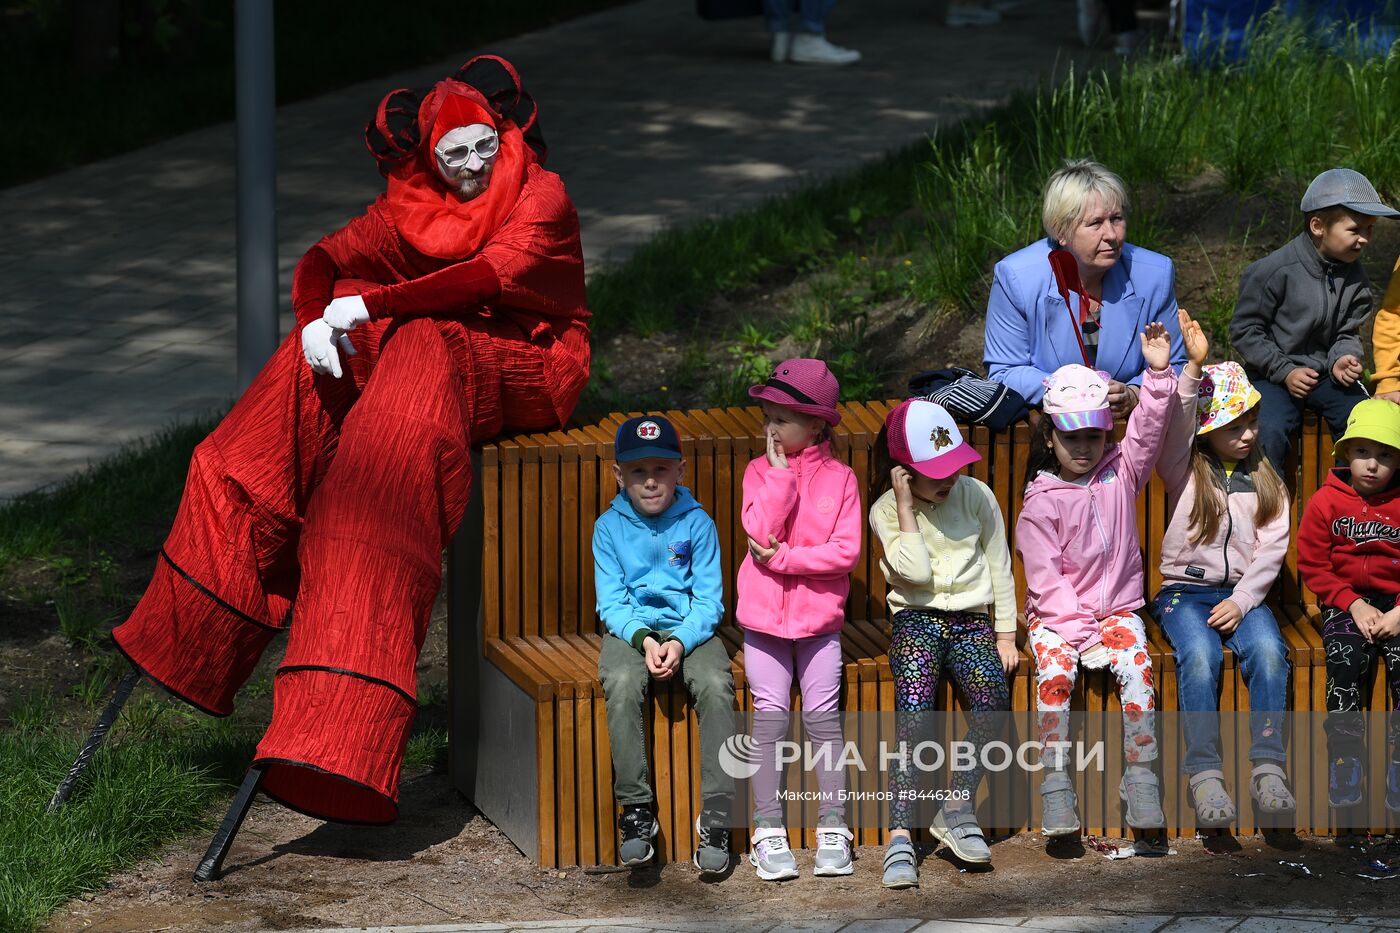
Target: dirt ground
column 442, row 861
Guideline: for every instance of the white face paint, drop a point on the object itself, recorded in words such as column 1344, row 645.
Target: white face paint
column 464, row 158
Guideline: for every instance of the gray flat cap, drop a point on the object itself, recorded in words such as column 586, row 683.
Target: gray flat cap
column 1342, row 187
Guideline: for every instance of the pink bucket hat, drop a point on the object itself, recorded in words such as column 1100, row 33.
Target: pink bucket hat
column 802, row 385
column 1226, row 393
column 924, row 437
column 1076, row 398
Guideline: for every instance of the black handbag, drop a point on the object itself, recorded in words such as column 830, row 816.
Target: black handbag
column 969, row 397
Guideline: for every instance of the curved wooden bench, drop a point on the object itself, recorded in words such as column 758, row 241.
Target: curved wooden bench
column 529, row 739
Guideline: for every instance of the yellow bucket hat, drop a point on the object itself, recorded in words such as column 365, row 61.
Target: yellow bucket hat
column 1375, row 419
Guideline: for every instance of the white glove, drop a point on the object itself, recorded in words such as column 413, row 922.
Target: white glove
column 318, row 340
column 1096, row 658
column 346, row 313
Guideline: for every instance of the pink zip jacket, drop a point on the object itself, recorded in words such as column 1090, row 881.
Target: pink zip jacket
column 813, row 508
column 1079, row 542
column 1240, row 555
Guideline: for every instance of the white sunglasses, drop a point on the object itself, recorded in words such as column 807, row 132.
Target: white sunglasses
column 458, row 156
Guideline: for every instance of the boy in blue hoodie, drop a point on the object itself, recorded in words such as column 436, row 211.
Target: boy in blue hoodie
column 661, row 596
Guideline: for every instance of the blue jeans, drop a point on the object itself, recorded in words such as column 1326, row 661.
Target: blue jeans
column 1281, row 413
column 811, row 15
column 1263, row 658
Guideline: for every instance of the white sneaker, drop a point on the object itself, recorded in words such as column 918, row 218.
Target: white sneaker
column 959, row 15
column 833, row 848
column 770, row 855
column 810, row 48
column 782, row 44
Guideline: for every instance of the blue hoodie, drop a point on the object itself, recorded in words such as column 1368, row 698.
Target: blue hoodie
column 658, row 574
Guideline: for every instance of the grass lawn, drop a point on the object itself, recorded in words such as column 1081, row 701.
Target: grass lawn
column 874, row 272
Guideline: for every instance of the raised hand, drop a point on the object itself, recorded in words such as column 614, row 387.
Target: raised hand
column 1197, row 346
column 1157, row 346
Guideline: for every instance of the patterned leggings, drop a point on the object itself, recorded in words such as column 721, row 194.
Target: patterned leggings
column 1349, row 660
column 923, row 643
column 1056, row 664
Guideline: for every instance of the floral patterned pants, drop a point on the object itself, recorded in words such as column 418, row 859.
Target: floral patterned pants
column 1056, row 665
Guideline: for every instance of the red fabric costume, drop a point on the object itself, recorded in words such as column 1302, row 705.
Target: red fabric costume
column 337, row 496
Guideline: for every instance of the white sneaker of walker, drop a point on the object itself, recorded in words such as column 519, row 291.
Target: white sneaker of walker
column 809, row 48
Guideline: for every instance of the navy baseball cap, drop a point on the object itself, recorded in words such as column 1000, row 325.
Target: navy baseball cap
column 647, row 436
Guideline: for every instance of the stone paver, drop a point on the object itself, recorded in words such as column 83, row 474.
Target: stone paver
column 119, row 279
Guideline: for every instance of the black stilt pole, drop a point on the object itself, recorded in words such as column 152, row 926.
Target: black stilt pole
column 94, row 739
column 211, row 867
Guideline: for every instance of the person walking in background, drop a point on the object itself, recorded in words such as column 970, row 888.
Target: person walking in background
column 1119, row 16
column 807, row 43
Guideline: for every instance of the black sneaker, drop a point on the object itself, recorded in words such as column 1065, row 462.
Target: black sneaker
column 712, row 855
column 638, row 828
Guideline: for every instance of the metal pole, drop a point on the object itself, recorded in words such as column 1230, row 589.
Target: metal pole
column 94, row 739
column 257, row 187
column 211, row 867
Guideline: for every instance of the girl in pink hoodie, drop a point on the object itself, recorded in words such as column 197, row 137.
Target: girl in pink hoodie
column 1078, row 539
column 1222, row 551
column 803, row 517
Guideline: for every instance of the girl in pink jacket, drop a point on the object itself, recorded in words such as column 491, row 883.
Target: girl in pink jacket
column 1078, row 539
column 803, row 516
column 1223, row 549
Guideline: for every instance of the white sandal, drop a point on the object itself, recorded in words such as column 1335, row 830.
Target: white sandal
column 1214, row 808
column 1268, row 785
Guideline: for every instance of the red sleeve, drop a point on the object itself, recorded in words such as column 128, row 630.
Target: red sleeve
column 312, row 284
column 1315, row 560
column 459, row 288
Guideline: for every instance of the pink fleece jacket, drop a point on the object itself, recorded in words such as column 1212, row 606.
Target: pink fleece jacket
column 1079, row 541
column 813, row 508
column 1241, row 555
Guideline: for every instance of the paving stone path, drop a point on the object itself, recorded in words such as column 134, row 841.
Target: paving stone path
column 118, row 278
column 1289, row 922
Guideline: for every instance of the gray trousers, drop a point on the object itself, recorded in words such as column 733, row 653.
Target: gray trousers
column 705, row 671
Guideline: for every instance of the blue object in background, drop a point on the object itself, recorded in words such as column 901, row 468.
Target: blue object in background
column 1207, row 24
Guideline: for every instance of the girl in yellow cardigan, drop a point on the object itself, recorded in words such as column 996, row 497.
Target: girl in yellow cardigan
column 1385, row 341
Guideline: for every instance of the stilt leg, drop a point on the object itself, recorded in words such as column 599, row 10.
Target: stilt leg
column 211, row 867
column 95, row 738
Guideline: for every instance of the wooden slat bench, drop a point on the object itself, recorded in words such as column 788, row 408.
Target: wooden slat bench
column 529, row 743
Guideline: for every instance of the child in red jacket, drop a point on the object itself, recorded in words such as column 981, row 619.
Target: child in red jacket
column 1349, row 555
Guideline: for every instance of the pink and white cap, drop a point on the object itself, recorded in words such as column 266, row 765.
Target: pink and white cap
column 1076, row 398
column 924, row 437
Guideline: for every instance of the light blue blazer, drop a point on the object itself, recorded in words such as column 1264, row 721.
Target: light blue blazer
column 1030, row 333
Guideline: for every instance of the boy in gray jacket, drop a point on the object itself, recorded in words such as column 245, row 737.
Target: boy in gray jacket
column 1297, row 323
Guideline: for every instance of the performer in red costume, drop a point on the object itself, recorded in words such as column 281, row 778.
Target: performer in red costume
column 452, row 310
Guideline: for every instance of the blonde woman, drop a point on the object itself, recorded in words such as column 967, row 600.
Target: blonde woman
column 1082, row 294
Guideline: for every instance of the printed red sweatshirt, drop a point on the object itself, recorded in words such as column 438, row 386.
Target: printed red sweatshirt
column 1349, row 545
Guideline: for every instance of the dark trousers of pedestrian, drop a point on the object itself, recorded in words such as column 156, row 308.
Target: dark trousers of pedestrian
column 1350, row 658
column 1122, row 15
column 1280, row 413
